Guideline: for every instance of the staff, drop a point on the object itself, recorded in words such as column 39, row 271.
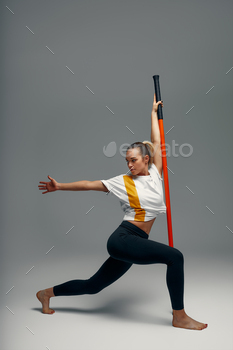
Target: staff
column 164, row 160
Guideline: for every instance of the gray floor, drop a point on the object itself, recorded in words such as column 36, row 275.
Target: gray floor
column 134, row 313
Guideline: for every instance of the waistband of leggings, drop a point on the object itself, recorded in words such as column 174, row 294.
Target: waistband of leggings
column 134, row 229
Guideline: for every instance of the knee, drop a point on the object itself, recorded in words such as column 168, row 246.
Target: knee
column 178, row 257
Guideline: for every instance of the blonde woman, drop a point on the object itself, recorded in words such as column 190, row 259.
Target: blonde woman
column 141, row 198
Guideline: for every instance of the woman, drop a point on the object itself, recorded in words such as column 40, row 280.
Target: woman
column 141, row 198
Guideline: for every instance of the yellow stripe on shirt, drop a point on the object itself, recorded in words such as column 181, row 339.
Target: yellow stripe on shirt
column 133, row 198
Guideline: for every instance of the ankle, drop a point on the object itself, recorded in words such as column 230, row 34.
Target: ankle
column 179, row 313
column 49, row 292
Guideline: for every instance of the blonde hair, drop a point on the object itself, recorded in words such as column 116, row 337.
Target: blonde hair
column 145, row 148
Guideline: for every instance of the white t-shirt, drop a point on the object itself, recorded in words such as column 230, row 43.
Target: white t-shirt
column 141, row 197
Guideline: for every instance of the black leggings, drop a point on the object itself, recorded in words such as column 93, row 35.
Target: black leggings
column 129, row 245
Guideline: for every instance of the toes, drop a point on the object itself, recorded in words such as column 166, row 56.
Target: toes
column 204, row 326
column 51, row 312
column 48, row 311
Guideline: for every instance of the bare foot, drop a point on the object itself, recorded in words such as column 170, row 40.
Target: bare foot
column 43, row 297
column 181, row 320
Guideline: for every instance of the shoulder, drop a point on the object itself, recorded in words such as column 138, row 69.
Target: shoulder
column 114, row 184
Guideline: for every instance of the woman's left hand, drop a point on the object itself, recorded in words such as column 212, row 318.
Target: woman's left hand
column 156, row 104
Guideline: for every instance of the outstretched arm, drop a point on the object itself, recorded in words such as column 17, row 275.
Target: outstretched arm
column 83, row 185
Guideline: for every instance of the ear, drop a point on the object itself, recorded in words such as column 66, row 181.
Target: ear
column 146, row 158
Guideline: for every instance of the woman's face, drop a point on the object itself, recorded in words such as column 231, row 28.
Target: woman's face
column 137, row 165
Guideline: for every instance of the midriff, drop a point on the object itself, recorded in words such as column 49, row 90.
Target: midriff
column 143, row 225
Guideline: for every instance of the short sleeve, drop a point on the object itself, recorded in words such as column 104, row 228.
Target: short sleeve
column 154, row 172
column 115, row 185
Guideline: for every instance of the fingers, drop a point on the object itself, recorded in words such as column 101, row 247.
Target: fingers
column 42, row 187
column 156, row 104
column 159, row 102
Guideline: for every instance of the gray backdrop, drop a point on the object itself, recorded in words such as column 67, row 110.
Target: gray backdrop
column 76, row 76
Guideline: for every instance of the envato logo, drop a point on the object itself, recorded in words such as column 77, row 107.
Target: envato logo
column 170, row 150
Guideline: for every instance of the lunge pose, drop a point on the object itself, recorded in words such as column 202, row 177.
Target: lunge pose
column 141, row 198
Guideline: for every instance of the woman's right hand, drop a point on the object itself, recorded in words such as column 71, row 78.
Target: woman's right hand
column 51, row 186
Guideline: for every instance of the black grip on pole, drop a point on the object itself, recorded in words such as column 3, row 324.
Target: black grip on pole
column 158, row 96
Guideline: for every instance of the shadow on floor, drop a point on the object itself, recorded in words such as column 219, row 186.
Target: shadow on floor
column 122, row 308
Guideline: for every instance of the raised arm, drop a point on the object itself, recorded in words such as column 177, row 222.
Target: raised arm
column 83, row 185
column 155, row 136
column 155, row 132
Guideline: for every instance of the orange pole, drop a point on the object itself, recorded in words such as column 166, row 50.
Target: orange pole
column 164, row 161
